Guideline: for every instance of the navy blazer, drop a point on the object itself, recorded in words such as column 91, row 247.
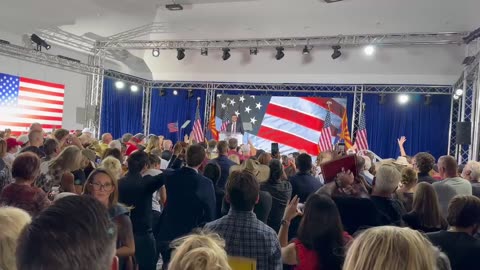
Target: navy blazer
column 190, row 203
column 304, row 184
column 238, row 128
column 225, row 165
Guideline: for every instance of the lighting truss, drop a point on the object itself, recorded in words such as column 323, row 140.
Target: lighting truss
column 321, row 41
column 58, row 36
column 141, row 31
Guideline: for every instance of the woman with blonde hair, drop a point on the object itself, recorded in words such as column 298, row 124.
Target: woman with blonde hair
column 12, row 221
column 391, row 248
column 235, row 159
column 153, row 143
column 199, row 252
column 104, row 187
column 113, row 166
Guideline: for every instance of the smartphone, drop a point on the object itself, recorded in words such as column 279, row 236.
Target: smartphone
column 275, row 149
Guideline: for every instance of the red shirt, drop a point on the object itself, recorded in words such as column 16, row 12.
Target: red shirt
column 130, row 148
column 31, row 199
column 233, row 152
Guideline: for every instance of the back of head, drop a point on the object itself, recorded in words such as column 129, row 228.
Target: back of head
column 464, row 211
column 74, row 233
column 199, row 252
column 449, row 165
column 222, row 147
column 35, row 137
column 113, row 152
column 264, row 158
column 304, row 163
column 59, row 134
column 242, row 190
column 409, row 177
column 115, row 144
column 26, row 166
column 112, row 165
column 387, row 179
column 276, row 171
column 321, row 230
column 360, row 163
column 69, row 159
column 232, row 143
column 167, row 144
column 391, row 248
column 424, row 162
column 137, row 161
column 425, row 203
column 12, row 221
column 50, row 146
column 212, row 171
column 212, row 144
column 195, row 155
column 474, row 168
column 127, row 137
column 368, row 163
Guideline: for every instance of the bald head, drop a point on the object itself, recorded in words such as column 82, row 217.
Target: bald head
column 107, row 138
column 447, row 167
column 36, row 127
column 35, row 138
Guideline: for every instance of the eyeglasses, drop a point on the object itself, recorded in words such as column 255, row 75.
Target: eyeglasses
column 106, row 187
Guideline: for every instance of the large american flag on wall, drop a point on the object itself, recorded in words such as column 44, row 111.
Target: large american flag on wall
column 295, row 123
column 24, row 101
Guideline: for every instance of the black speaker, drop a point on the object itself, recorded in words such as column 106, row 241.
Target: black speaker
column 464, row 133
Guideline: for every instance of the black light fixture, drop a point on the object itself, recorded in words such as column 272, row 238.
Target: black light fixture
column 306, row 50
column 162, row 92
column 226, row 54
column 190, row 93
column 336, row 52
column 40, row 42
column 428, row 99
column 253, row 51
column 180, row 54
column 204, row 52
column 381, row 101
column 280, row 54
column 174, row 7
column 156, row 52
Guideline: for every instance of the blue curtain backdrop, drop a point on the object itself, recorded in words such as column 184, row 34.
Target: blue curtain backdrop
column 170, row 108
column 121, row 110
column 425, row 126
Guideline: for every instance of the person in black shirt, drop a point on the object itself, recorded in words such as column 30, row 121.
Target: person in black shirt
column 136, row 192
column 304, row 183
column 458, row 242
column 423, row 162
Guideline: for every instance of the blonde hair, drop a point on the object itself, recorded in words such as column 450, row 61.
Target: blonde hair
column 87, row 189
column 234, row 158
column 324, row 157
column 474, row 170
column 113, row 166
column 153, row 143
column 393, row 248
column 201, row 251
column 12, row 221
column 387, row 178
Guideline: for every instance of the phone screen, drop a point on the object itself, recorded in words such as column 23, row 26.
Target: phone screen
column 275, row 149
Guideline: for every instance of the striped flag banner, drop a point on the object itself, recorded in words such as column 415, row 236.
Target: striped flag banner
column 361, row 138
column 325, row 141
column 24, row 101
column 198, row 135
column 172, row 127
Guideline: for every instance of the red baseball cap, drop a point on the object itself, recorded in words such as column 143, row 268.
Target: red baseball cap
column 11, row 142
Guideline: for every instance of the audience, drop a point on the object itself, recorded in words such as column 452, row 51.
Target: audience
column 423, row 162
column 407, row 188
column 320, row 241
column 199, row 252
column 212, row 172
column 5, row 170
column 22, row 193
column 12, row 148
column 365, row 173
column 113, row 166
column 35, row 141
column 233, row 149
column 191, row 200
column 280, row 190
column 212, row 152
column 152, row 144
column 224, row 163
column 12, row 221
column 244, row 234
column 303, row 183
column 51, row 149
column 471, row 172
column 104, row 144
column 425, row 215
column 264, row 158
column 74, row 233
column 451, row 185
column 458, row 242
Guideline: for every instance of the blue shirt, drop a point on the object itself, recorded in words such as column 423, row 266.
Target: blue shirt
column 246, row 236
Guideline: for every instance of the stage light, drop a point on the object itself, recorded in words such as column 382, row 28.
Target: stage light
column 459, row 92
column 336, row 52
column 253, row 51
column 175, row 92
column 190, row 93
column 403, row 99
column 162, row 92
column 40, row 42
column 280, row 54
column 133, row 88
column 456, row 97
column 369, row 50
column 180, row 54
column 306, row 50
column 381, row 101
column 428, row 99
column 226, row 54
column 156, row 52
column 119, row 84
column 204, row 52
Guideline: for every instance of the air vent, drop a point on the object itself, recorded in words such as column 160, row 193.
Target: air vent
column 174, row 7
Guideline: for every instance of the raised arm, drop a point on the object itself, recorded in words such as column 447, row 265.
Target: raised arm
column 401, row 141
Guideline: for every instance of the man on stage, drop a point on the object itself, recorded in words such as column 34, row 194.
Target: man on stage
column 235, row 126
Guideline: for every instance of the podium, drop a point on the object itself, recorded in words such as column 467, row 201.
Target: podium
column 225, row 136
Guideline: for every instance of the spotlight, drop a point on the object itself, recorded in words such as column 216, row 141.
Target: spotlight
column 306, row 50
column 180, row 54
column 459, row 92
column 190, row 93
column 369, row 50
column 226, row 54
column 174, row 7
column 428, row 99
column 119, row 84
column 156, row 52
column 175, row 92
column 204, row 52
column 403, row 99
column 253, row 51
column 280, row 54
column 456, row 97
column 40, row 42
column 336, row 51
column 133, row 88
column 381, row 101
column 162, row 92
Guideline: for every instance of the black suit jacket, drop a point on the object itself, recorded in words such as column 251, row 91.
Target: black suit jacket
column 191, row 203
column 238, row 128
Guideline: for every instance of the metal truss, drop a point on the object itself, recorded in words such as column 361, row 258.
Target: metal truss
column 209, row 102
column 146, row 109
column 357, row 109
column 128, row 78
column 124, row 41
column 141, row 31
column 96, row 95
column 43, row 58
column 64, row 38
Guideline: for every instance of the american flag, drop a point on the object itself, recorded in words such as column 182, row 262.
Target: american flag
column 361, row 137
column 173, row 127
column 295, row 123
column 24, row 101
column 197, row 126
column 325, row 141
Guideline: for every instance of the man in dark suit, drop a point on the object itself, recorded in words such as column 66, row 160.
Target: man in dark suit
column 235, row 126
column 191, row 200
column 224, row 163
column 303, row 183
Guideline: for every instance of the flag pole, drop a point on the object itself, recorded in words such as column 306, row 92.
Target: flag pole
column 328, row 105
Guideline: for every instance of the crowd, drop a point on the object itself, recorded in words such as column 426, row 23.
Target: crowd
column 69, row 201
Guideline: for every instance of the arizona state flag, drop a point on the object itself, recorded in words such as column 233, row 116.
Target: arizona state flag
column 345, row 135
column 212, row 125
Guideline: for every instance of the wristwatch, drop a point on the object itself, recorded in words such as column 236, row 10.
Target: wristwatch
column 285, row 222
